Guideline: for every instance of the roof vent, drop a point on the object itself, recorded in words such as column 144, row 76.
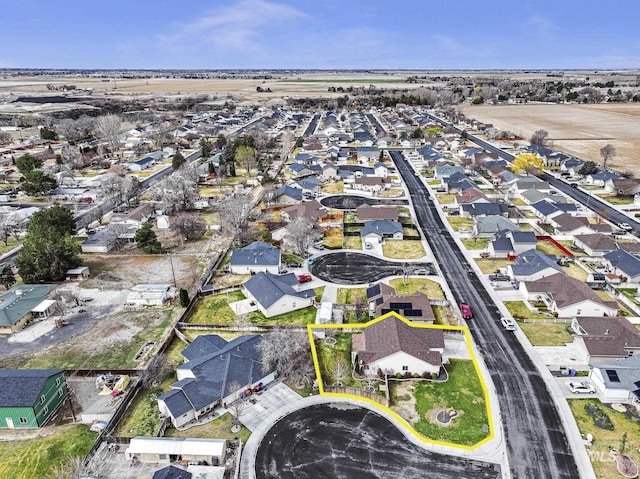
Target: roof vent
column 606, row 332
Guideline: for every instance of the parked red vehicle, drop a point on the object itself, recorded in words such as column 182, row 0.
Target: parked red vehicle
column 512, row 257
column 304, row 278
column 466, row 311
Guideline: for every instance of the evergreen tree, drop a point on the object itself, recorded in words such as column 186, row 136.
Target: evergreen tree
column 177, row 160
column 7, row 278
column 147, row 240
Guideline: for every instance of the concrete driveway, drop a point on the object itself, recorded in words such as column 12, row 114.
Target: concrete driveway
column 569, row 356
column 275, row 396
column 565, row 380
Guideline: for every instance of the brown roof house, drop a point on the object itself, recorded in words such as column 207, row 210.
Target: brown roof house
column 567, row 297
column 311, row 210
column 371, row 183
column 367, row 212
column 605, row 339
column 471, row 195
column 391, row 344
column 595, row 244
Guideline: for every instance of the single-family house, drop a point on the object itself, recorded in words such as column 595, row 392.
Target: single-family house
column 488, row 226
column 571, row 166
column 275, row 294
column 141, row 164
column 367, row 212
column 457, row 182
column 30, row 397
column 300, row 169
column 528, row 183
column 532, row 265
column 25, row 302
column 624, row 264
column 595, row 244
column 603, row 340
column 217, row 373
column 287, row 195
column 546, row 210
column 254, row 258
column 414, row 307
column 507, row 242
column 111, row 237
column 428, row 153
column 393, row 345
column 469, row 196
column 623, row 186
column 137, row 216
column 567, row 297
column 309, row 186
column 311, row 210
column 445, row 171
column 471, row 210
column 165, row 450
column 619, row 381
column 600, row 178
column 376, row 231
column 567, row 224
column 371, row 183
column 149, row 295
column 381, row 170
column 330, row 171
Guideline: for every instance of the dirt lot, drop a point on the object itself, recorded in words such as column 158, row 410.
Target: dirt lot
column 580, row 130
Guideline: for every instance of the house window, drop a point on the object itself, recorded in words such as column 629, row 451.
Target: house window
column 58, row 382
column 162, row 456
column 42, row 399
column 23, row 420
column 60, row 393
column 405, row 368
column 293, row 305
column 45, row 410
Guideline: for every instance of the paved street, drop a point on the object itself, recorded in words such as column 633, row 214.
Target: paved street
column 536, row 442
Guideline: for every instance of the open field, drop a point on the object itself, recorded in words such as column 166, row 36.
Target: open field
column 580, row 130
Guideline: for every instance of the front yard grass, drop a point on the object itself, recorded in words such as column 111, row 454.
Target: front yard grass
column 35, row 457
column 478, row 243
column 576, row 272
column 492, row 265
column 616, row 200
column 352, row 242
column 220, row 428
column 459, row 223
column 432, row 289
column 603, row 439
column 351, row 295
column 403, row 249
column 519, row 310
column 445, row 198
column 462, row 392
column 546, row 334
column 333, row 188
column 392, row 193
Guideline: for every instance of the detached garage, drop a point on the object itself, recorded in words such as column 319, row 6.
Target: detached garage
column 165, row 450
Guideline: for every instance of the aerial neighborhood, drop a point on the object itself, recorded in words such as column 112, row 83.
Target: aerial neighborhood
column 192, row 274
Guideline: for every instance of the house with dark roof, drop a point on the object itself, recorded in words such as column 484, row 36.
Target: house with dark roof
column 30, row 397
column 311, row 210
column 309, row 186
column 275, row 294
column 141, row 164
column 392, row 345
column 571, row 225
column 571, row 166
column 288, row 195
column 507, row 242
column 24, row 302
column 457, row 182
column 383, row 299
column 472, row 210
column 546, row 210
column 172, row 472
column 618, row 381
column 603, row 340
column 376, row 231
column 532, row 265
column 113, row 236
column 624, row 264
column 601, row 177
column 471, row 195
column 367, row 212
column 595, row 244
column 300, row 169
column 567, row 297
column 623, row 186
column 216, row 374
column 254, row 258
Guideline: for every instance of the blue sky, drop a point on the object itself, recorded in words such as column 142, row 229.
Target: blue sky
column 327, row 34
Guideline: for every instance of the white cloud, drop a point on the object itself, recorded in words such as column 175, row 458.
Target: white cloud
column 235, row 27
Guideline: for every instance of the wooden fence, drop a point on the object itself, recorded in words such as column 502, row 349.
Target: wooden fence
column 358, row 392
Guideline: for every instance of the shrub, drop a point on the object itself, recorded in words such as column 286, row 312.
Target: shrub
column 398, row 375
column 600, row 418
column 426, row 374
column 407, row 374
column 434, row 375
column 416, row 375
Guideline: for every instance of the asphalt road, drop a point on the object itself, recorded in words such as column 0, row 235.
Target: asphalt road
column 311, row 127
column 350, row 202
column 359, row 268
column 347, row 442
column 536, row 443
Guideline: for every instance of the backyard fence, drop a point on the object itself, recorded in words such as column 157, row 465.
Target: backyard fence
column 359, row 392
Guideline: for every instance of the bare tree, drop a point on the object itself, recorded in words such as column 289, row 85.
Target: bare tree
column 289, row 354
column 155, row 370
column 286, row 143
column 72, row 157
column 233, row 213
column 340, row 371
column 301, row 234
column 109, row 128
column 179, row 191
column 239, row 406
column 246, row 156
column 112, row 187
column 539, row 137
column 607, row 152
column 189, row 226
column 5, row 138
column 76, row 130
column 73, row 467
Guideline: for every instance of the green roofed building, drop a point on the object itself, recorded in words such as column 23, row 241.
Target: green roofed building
column 24, row 302
column 29, row 397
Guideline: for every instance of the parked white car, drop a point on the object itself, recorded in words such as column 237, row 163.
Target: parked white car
column 508, row 324
column 581, row 387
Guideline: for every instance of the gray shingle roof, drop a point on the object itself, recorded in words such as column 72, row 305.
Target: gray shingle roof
column 488, row 209
column 22, row 387
column 493, row 224
column 268, row 288
column 381, row 227
column 533, row 261
column 609, row 336
column 625, row 262
column 172, row 472
column 256, row 254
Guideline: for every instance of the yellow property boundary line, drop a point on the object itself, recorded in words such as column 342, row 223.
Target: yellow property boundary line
column 467, row 336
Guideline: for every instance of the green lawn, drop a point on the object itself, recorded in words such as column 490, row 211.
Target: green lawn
column 478, row 243
column 491, row 265
column 327, row 356
column 215, row 310
column 459, row 223
column 34, row 458
column 547, row 334
column 462, row 392
column 351, row 295
column 220, row 428
column 519, row 310
column 445, row 198
column 547, row 247
column 604, row 440
column 432, row 289
column 616, row 200
column 403, row 249
column 352, row 242
column 333, row 188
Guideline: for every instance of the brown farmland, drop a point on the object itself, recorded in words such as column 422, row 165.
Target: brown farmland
column 579, row 130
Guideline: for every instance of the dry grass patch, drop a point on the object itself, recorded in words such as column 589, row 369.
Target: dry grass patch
column 418, row 285
column 352, row 242
column 403, row 249
column 492, row 265
column 547, row 334
column 220, row 428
